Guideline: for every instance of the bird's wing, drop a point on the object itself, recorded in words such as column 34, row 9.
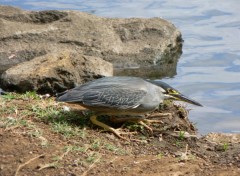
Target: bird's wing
column 109, row 92
column 114, row 98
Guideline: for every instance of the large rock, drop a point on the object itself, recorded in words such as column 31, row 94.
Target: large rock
column 133, row 42
column 55, row 72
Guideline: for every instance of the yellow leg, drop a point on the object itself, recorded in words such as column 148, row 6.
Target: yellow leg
column 138, row 120
column 160, row 115
column 117, row 132
column 152, row 121
column 156, row 115
column 106, row 127
column 125, row 119
column 146, row 126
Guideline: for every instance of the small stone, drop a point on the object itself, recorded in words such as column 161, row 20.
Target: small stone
column 62, row 173
column 1, row 167
column 66, row 108
column 2, row 125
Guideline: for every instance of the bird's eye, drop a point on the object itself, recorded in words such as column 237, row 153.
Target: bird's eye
column 172, row 91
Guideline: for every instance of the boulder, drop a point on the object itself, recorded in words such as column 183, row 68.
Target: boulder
column 126, row 43
column 55, row 72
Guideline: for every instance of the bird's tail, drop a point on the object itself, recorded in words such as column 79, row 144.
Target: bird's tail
column 61, row 93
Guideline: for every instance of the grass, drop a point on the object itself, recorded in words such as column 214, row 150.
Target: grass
column 26, row 96
column 96, row 145
column 48, row 111
column 181, row 135
column 26, row 109
column 160, row 155
column 21, row 111
column 180, row 139
column 11, row 120
column 225, row 147
column 92, row 157
column 67, row 142
column 134, row 126
column 67, row 130
column 27, row 112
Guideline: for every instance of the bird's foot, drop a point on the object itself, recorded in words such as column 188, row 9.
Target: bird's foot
column 149, row 121
column 118, row 132
column 141, row 122
column 144, row 122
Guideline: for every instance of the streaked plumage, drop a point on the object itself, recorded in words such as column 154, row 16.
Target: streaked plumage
column 122, row 96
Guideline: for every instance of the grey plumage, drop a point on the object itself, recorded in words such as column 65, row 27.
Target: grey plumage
column 122, row 94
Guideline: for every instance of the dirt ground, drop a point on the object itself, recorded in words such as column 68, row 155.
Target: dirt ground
column 41, row 137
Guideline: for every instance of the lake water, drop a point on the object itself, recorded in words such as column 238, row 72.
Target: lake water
column 209, row 68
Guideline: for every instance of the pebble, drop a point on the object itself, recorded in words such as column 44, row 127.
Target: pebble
column 1, row 167
column 2, row 125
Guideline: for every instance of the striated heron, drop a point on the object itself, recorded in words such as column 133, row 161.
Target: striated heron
column 121, row 95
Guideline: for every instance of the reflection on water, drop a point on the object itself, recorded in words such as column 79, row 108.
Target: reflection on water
column 209, row 69
column 167, row 68
column 150, row 72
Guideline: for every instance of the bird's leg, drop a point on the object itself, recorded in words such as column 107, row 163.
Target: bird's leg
column 156, row 115
column 141, row 122
column 137, row 119
column 152, row 121
column 159, row 115
column 117, row 132
column 124, row 119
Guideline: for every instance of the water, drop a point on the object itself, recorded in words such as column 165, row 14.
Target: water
column 208, row 70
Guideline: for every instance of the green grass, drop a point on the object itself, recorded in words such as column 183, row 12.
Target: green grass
column 67, row 130
column 96, row 145
column 21, row 109
column 132, row 126
column 8, row 97
column 27, row 110
column 115, row 149
column 225, row 147
column 26, row 96
column 92, row 157
column 13, row 122
column 181, row 135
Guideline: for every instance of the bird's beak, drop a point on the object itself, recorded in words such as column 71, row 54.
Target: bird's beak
column 181, row 97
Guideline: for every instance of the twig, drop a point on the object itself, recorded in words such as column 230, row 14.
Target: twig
column 49, row 165
column 65, row 153
column 29, row 161
column 53, row 164
column 92, row 166
column 140, row 162
column 186, row 149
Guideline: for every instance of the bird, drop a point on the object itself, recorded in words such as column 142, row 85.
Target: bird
column 119, row 96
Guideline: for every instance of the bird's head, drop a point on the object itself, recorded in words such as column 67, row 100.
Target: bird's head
column 171, row 93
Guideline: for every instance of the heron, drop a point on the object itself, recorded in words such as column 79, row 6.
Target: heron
column 120, row 96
